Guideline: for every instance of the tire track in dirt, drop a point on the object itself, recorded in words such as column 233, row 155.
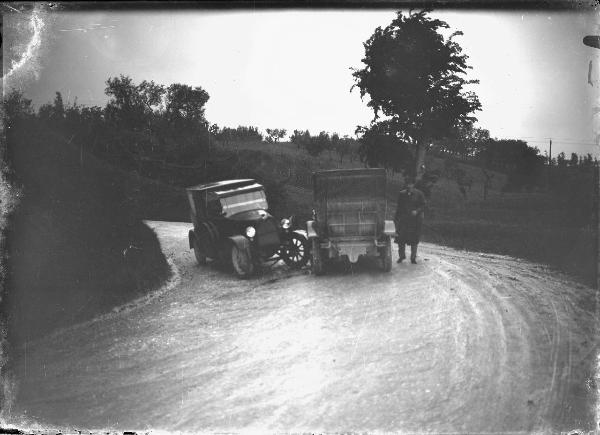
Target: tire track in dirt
column 556, row 327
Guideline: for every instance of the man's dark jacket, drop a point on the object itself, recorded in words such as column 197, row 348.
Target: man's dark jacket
column 408, row 227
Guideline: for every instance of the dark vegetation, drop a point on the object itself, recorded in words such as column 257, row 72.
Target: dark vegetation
column 415, row 80
column 325, row 142
column 76, row 242
column 241, row 133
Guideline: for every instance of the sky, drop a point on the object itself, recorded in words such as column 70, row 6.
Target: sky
column 292, row 68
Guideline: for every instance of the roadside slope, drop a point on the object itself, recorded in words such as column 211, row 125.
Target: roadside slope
column 76, row 242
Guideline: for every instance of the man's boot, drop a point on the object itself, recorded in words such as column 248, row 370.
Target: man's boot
column 413, row 253
column 401, row 252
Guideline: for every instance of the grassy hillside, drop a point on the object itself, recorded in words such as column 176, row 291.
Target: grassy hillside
column 76, row 242
column 535, row 226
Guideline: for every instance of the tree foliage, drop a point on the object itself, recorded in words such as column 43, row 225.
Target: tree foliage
column 379, row 148
column 315, row 145
column 300, row 137
column 275, row 134
column 241, row 134
column 186, row 103
column 140, row 122
column 415, row 79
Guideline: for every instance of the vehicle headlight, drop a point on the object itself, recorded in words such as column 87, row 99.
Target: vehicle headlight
column 250, row 232
column 286, row 224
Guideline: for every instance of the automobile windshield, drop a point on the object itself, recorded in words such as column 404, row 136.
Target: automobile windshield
column 340, row 188
column 245, row 201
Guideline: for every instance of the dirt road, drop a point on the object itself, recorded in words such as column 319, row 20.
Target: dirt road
column 461, row 342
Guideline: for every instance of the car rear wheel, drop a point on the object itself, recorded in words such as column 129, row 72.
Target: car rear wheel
column 199, row 252
column 294, row 251
column 317, row 260
column 386, row 255
column 241, row 261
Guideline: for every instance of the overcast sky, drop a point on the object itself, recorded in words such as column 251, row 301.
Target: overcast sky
column 291, row 68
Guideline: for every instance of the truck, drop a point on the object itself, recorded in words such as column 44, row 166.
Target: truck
column 348, row 222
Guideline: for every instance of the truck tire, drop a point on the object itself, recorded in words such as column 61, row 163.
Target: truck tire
column 317, row 260
column 386, row 255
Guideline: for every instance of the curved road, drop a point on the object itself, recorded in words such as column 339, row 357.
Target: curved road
column 461, row 342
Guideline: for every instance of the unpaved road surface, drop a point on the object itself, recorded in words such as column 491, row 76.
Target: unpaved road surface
column 461, row 342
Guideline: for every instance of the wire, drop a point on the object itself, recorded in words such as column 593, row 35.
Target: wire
column 557, row 141
column 554, row 140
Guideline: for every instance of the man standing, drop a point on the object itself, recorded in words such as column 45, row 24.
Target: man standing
column 409, row 220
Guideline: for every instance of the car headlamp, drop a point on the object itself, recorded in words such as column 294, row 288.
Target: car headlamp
column 286, row 224
column 250, row 232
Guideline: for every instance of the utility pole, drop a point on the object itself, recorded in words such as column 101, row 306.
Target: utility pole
column 549, row 166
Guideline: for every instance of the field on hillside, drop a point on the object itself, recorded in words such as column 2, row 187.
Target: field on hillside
column 527, row 225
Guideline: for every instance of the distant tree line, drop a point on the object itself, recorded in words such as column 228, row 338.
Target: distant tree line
column 572, row 181
column 575, row 160
column 325, row 142
column 503, row 155
column 524, row 165
column 239, row 134
column 139, row 122
column 158, row 131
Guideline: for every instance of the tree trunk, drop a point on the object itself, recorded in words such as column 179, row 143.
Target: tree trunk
column 420, row 160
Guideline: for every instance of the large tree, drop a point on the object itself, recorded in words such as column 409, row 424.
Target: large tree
column 186, row 102
column 415, row 78
column 130, row 105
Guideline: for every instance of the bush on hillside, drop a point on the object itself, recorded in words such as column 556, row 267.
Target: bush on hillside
column 76, row 244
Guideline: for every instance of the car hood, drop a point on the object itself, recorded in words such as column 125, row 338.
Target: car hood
column 251, row 216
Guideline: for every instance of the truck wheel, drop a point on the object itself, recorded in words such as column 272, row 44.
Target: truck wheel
column 241, row 261
column 199, row 252
column 294, row 252
column 386, row 255
column 317, row 261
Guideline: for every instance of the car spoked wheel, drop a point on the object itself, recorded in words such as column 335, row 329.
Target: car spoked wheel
column 294, row 252
column 241, row 261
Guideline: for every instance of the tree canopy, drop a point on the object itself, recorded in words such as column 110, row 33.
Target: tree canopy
column 415, row 80
column 275, row 134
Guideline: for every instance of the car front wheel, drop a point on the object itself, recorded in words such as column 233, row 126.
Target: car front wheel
column 294, row 251
column 241, row 260
column 199, row 252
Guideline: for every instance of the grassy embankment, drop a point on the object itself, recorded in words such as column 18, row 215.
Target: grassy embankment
column 76, row 243
column 533, row 226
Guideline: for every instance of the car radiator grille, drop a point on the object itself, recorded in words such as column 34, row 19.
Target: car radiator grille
column 266, row 233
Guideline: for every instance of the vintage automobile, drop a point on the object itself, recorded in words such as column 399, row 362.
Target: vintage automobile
column 349, row 218
column 232, row 225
